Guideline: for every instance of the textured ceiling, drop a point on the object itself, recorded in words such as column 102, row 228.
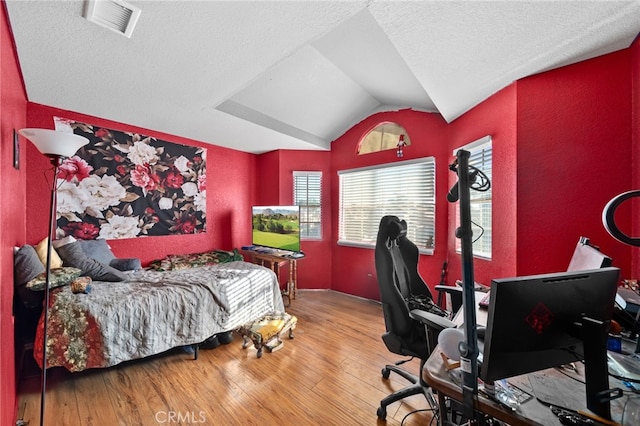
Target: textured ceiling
column 258, row 76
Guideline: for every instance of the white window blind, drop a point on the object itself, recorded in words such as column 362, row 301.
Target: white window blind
column 480, row 157
column 307, row 193
column 404, row 189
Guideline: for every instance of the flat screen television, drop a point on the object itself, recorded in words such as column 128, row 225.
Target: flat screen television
column 276, row 227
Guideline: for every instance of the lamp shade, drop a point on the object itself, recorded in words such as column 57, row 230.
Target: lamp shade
column 53, row 143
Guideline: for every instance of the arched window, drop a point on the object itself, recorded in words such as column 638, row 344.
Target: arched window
column 384, row 136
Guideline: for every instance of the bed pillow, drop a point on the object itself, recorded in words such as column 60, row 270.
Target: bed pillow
column 98, row 250
column 126, row 264
column 73, row 255
column 62, row 241
column 41, row 249
column 58, row 278
column 26, row 265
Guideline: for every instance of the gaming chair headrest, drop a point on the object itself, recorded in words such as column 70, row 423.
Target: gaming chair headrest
column 391, row 228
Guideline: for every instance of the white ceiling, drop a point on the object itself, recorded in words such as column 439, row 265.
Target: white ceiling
column 258, row 76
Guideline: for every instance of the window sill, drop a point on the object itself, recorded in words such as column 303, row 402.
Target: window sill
column 425, row 251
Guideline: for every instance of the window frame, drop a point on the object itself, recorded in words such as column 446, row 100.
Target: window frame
column 478, row 198
column 422, row 234
column 377, row 140
column 304, row 235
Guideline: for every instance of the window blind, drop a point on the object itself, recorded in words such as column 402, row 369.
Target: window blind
column 307, row 193
column 480, row 157
column 404, row 189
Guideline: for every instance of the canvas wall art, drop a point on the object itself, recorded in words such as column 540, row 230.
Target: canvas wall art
column 127, row 185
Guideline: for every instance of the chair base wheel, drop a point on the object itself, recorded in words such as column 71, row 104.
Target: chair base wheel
column 382, row 413
column 385, row 373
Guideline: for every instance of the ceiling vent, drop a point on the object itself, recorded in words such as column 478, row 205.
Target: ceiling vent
column 116, row 15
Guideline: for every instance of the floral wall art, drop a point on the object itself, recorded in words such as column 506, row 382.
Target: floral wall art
column 127, row 185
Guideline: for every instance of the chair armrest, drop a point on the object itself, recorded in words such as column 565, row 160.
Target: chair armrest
column 449, row 288
column 454, row 291
column 431, row 320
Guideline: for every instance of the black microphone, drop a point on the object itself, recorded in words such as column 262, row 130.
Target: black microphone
column 453, row 194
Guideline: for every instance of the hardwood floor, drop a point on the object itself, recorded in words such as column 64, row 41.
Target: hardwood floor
column 329, row 374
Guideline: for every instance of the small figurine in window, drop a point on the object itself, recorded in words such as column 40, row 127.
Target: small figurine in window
column 400, row 146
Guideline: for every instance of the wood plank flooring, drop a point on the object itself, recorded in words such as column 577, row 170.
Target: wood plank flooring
column 329, row 374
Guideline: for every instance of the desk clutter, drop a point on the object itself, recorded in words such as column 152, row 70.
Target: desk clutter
column 559, row 390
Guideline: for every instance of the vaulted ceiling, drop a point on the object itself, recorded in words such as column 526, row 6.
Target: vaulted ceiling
column 259, row 75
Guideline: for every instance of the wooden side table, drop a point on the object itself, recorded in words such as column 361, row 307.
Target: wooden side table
column 275, row 261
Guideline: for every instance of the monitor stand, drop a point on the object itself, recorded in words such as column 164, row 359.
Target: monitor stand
column 596, row 370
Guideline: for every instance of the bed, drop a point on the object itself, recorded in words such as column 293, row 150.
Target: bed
column 153, row 310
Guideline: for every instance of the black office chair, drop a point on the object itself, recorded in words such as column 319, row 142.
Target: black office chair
column 408, row 333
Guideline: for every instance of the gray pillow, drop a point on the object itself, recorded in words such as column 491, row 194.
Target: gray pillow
column 26, row 265
column 97, row 249
column 126, row 264
column 73, row 255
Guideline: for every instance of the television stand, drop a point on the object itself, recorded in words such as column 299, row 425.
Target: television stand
column 275, row 260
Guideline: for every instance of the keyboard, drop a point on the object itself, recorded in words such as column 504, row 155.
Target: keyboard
column 426, row 304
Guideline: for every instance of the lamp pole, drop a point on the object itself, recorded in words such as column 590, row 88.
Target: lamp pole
column 56, row 160
column 56, row 146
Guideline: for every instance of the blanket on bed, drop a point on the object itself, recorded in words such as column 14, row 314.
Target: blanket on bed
column 152, row 312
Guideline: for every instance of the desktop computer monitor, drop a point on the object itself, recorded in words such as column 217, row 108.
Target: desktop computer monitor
column 538, row 322
column 587, row 256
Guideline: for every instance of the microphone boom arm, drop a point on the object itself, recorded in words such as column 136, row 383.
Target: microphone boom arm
column 468, row 348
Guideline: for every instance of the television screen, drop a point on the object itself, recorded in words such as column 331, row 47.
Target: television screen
column 277, row 227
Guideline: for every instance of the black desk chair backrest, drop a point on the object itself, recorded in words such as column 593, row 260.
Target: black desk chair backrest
column 396, row 259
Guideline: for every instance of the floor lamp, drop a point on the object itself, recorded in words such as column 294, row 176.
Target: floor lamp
column 56, row 146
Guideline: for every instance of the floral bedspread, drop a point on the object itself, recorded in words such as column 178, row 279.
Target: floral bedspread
column 184, row 261
column 153, row 311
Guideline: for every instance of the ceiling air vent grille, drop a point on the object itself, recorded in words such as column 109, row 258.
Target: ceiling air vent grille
column 116, row 15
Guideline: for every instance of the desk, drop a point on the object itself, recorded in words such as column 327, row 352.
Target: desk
column 531, row 412
column 275, row 260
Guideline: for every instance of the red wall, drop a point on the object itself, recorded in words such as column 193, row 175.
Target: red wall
column 12, row 219
column 495, row 117
column 231, row 178
column 353, row 269
column 268, row 177
column 275, row 181
column 573, row 156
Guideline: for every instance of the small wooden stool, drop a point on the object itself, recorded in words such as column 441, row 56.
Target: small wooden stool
column 266, row 331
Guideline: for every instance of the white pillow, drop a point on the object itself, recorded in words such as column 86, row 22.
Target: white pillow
column 41, row 249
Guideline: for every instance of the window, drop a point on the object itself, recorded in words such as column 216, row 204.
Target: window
column 405, row 189
column 307, row 193
column 480, row 157
column 384, row 136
